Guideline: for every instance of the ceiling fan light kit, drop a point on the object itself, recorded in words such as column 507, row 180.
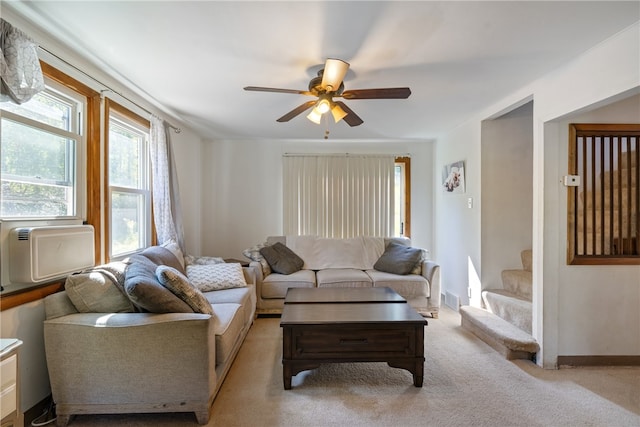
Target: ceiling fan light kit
column 328, row 85
column 333, row 74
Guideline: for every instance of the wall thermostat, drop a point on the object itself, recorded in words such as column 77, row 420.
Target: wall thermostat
column 572, row 180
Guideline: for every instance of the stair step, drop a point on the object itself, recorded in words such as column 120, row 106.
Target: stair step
column 509, row 306
column 507, row 339
column 518, row 282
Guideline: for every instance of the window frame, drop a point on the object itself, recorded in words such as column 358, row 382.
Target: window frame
column 91, row 165
column 590, row 130
column 75, row 171
column 124, row 114
column 405, row 163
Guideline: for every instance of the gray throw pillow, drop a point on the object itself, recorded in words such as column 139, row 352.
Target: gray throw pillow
column 163, row 256
column 146, row 292
column 180, row 285
column 281, row 259
column 398, row 259
column 95, row 292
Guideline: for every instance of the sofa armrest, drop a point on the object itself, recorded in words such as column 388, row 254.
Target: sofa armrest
column 94, row 357
column 257, row 271
column 431, row 272
column 249, row 275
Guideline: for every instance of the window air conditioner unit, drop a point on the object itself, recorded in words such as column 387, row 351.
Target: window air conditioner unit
column 39, row 254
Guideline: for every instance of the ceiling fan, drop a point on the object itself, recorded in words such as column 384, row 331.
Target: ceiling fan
column 328, row 85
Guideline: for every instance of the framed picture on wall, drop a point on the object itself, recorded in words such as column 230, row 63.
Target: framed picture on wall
column 453, row 178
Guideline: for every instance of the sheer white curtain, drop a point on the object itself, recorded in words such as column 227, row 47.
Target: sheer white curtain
column 338, row 195
column 20, row 73
column 166, row 198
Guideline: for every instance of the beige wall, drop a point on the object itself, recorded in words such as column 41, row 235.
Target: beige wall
column 572, row 306
column 507, row 192
column 242, row 189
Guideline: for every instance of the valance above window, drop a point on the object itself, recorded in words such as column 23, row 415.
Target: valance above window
column 21, row 75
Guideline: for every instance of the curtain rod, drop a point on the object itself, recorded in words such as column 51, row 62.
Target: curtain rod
column 109, row 89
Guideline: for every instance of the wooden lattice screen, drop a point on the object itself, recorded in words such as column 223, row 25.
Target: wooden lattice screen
column 603, row 210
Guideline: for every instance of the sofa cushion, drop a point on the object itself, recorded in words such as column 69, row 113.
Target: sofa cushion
column 275, row 285
column 398, row 259
column 94, row 291
column 343, row 278
column 320, row 253
column 57, row 305
column 146, row 292
column 408, row 286
column 214, row 277
column 162, row 256
column 179, row 284
column 227, row 326
column 281, row 259
column 245, row 296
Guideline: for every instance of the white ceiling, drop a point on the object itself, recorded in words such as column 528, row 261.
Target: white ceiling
column 457, row 57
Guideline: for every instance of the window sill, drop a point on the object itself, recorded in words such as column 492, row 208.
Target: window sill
column 13, row 296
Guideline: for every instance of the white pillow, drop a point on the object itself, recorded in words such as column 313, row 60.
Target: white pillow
column 214, row 277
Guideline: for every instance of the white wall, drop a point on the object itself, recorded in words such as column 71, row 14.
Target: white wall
column 242, row 189
column 576, row 311
column 507, row 192
column 457, row 230
column 187, row 150
column 594, row 300
column 584, row 84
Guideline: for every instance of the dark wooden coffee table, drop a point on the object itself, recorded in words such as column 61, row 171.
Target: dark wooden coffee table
column 386, row 330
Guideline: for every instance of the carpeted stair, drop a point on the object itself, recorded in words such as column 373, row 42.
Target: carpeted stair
column 505, row 323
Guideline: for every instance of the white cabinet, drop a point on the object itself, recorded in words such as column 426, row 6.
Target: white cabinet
column 9, row 383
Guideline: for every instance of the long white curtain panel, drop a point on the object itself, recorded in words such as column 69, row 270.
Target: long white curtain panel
column 338, row 196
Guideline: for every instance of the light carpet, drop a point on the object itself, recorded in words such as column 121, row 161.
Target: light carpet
column 466, row 383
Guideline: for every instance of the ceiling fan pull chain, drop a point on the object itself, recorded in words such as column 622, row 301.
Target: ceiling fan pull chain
column 326, row 121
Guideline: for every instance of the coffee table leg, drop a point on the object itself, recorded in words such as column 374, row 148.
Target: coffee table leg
column 418, row 374
column 286, row 375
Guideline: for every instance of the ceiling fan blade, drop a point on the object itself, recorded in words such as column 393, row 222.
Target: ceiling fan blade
column 272, row 89
column 296, row 111
column 351, row 118
column 333, row 74
column 386, row 93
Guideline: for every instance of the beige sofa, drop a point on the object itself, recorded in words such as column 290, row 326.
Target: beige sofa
column 343, row 263
column 131, row 360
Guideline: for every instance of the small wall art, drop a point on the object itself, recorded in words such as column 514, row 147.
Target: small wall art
column 453, row 178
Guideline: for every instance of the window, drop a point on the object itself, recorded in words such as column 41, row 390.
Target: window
column 603, row 210
column 346, row 195
column 42, row 153
column 128, row 181
column 402, row 206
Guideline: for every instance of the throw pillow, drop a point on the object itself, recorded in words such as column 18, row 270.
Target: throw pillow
column 146, row 292
column 95, row 292
column 214, row 277
column 179, row 284
column 173, row 246
column 162, row 256
column 398, row 259
column 281, row 259
column 202, row 260
column 253, row 253
column 417, row 269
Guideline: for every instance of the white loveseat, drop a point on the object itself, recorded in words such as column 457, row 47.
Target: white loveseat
column 343, row 263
